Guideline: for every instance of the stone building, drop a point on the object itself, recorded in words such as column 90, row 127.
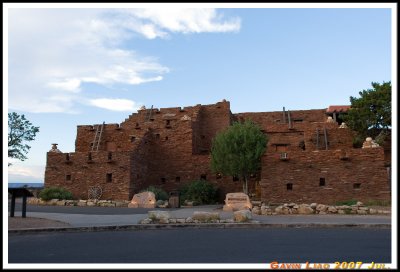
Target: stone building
column 309, row 158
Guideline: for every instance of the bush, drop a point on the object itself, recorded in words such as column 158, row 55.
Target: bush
column 358, row 141
column 55, row 193
column 200, row 192
column 158, row 192
column 346, row 202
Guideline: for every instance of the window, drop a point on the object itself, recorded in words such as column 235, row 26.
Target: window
column 90, row 156
column 166, row 138
column 178, row 179
column 168, row 123
column 109, row 156
column 133, row 138
column 356, row 185
column 321, row 181
column 297, row 120
column 163, row 180
column 157, row 136
column 68, row 177
column 203, row 177
column 109, row 177
column 218, row 176
column 235, row 178
column 289, row 186
column 202, row 136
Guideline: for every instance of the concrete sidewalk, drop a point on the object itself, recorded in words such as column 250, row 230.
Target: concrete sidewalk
column 131, row 221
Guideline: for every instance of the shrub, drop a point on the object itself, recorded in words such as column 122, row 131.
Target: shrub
column 347, row 202
column 158, row 192
column 200, row 192
column 55, row 193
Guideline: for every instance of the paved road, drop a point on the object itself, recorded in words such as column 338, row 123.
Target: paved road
column 83, row 210
column 204, row 246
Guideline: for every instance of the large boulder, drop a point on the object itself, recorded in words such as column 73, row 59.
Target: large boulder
column 159, row 216
column 205, row 216
column 143, row 200
column 237, row 202
column 242, row 216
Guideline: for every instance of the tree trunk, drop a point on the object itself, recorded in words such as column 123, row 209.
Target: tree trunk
column 245, row 186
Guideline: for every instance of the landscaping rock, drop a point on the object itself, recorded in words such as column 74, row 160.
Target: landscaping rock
column 159, row 215
column 205, row 216
column 242, row 216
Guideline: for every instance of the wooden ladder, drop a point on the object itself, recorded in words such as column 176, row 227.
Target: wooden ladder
column 97, row 137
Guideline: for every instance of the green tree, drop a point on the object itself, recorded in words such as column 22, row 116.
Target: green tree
column 370, row 115
column 20, row 131
column 237, row 151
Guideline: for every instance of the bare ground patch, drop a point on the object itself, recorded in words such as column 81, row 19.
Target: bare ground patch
column 33, row 222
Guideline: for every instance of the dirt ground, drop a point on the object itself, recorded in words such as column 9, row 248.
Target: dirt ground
column 33, row 222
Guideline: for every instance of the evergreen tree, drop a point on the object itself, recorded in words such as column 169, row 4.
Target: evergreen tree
column 20, row 130
column 370, row 115
column 237, row 151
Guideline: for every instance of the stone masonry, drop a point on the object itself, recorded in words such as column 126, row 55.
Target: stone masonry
column 308, row 158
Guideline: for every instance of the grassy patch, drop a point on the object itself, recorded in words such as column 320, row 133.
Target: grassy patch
column 384, row 203
column 346, row 202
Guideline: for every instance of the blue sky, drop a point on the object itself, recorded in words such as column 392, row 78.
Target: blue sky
column 69, row 67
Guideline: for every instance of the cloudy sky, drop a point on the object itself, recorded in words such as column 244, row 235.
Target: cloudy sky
column 77, row 66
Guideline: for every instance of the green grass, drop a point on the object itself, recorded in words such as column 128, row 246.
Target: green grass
column 346, row 202
column 384, row 203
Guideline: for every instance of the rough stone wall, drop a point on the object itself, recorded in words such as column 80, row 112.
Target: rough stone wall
column 348, row 174
column 170, row 147
column 84, row 172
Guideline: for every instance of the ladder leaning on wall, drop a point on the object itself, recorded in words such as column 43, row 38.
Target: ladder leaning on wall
column 97, row 137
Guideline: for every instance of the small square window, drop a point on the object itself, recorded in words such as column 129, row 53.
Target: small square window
column 109, row 177
column 203, row 177
column 133, row 138
column 235, row 178
column 68, row 177
column 321, row 181
column 218, row 176
column 289, row 186
column 356, row 185
column 163, row 180
column 178, row 179
column 109, row 156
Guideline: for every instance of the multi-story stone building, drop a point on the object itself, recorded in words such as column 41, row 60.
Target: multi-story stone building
column 309, row 158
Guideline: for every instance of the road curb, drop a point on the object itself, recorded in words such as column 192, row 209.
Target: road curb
column 204, row 225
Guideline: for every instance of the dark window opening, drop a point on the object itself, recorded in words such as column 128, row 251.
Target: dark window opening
column 302, row 145
column 297, row 120
column 157, row 136
column 163, row 180
column 202, row 137
column 137, row 124
column 321, row 181
column 178, row 179
column 218, row 176
column 356, row 185
column 109, row 156
column 289, row 186
column 67, row 157
column 109, row 177
column 133, row 138
column 168, row 123
column 252, row 176
column 235, row 178
column 67, row 177
column 91, row 144
column 166, row 138
column 203, row 177
column 90, row 156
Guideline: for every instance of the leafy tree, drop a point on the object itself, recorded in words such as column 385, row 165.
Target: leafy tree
column 370, row 114
column 20, row 130
column 237, row 151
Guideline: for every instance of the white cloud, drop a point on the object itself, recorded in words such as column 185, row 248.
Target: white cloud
column 115, row 104
column 184, row 20
column 53, row 52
